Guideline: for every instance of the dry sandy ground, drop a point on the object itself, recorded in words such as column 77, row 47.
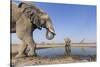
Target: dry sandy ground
column 27, row 61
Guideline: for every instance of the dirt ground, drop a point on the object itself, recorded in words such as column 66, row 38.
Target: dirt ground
column 29, row 61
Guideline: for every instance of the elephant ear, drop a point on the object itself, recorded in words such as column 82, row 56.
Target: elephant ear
column 36, row 21
column 31, row 13
column 22, row 5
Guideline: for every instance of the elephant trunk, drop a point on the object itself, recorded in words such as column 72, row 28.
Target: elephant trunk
column 50, row 33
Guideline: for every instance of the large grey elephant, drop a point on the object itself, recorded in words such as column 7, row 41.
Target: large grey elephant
column 25, row 18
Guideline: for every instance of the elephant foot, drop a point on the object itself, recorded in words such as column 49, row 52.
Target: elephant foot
column 30, row 54
column 20, row 55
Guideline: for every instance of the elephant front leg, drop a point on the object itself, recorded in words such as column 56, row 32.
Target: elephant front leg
column 21, row 50
column 32, row 51
column 31, row 46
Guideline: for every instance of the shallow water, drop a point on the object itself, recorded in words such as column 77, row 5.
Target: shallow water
column 53, row 52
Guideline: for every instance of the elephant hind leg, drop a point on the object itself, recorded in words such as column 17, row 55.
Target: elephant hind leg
column 21, row 51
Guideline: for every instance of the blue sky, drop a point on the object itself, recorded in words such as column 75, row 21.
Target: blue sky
column 69, row 20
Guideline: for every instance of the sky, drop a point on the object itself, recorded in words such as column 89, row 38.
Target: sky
column 76, row 22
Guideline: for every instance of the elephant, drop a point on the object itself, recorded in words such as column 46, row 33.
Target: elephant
column 67, row 46
column 25, row 18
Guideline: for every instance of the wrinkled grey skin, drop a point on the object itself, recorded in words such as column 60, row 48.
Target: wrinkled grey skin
column 25, row 19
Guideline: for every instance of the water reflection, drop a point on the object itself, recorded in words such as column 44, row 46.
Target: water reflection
column 53, row 52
